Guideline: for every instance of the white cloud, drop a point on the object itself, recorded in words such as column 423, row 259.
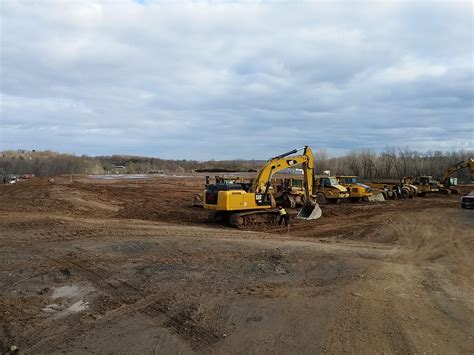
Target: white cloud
column 234, row 79
column 409, row 70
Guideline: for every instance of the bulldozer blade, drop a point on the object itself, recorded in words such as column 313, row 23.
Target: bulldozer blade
column 310, row 212
column 376, row 197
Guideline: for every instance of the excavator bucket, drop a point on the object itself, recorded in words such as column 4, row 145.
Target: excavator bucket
column 376, row 197
column 310, row 212
column 197, row 200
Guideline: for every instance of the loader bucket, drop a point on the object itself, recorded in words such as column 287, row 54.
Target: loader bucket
column 310, row 212
column 376, row 197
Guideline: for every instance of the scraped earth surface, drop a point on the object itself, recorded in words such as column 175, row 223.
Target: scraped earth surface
column 129, row 266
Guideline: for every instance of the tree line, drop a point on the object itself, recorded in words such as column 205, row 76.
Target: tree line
column 46, row 163
column 392, row 163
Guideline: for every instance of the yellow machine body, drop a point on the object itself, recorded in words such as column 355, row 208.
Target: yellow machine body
column 329, row 188
column 354, row 187
column 236, row 200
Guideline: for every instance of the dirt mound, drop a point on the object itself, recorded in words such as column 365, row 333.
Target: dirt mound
column 426, row 237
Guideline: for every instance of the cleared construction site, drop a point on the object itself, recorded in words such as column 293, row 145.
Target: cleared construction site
column 117, row 264
column 236, row 177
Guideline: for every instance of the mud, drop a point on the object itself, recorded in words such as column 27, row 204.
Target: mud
column 129, row 266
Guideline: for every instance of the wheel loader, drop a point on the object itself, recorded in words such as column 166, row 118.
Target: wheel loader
column 406, row 183
column 425, row 184
column 246, row 207
column 290, row 192
column 389, row 190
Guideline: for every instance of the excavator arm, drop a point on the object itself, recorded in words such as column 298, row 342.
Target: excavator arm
column 456, row 167
column 306, row 159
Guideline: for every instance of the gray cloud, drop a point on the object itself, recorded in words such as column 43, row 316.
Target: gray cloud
column 235, row 80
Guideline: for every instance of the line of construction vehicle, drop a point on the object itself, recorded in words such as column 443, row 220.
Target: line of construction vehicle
column 250, row 202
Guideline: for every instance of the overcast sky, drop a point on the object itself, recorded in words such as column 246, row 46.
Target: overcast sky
column 202, row 80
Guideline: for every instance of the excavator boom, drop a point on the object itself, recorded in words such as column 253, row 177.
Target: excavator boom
column 282, row 162
column 456, row 167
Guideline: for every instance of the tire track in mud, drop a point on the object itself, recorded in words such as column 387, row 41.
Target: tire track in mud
column 367, row 319
column 194, row 314
column 125, row 299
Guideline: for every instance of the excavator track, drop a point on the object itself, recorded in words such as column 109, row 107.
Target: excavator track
column 253, row 219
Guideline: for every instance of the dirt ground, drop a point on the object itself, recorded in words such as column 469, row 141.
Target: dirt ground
column 129, row 266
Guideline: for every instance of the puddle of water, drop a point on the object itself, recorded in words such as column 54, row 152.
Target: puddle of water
column 60, row 311
column 51, row 308
column 70, row 299
column 78, row 306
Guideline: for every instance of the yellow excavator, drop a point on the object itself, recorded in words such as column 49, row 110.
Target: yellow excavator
column 446, row 180
column 247, row 206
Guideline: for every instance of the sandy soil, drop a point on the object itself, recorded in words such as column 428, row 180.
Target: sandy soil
column 119, row 266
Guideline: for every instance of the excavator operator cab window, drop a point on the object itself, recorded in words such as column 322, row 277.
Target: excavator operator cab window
column 325, row 182
column 297, row 183
column 328, row 182
column 246, row 186
column 350, row 180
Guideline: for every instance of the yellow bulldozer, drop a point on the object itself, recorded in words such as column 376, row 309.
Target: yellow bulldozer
column 424, row 184
column 254, row 205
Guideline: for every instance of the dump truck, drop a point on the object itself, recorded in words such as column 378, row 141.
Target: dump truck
column 255, row 205
column 328, row 189
column 357, row 191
